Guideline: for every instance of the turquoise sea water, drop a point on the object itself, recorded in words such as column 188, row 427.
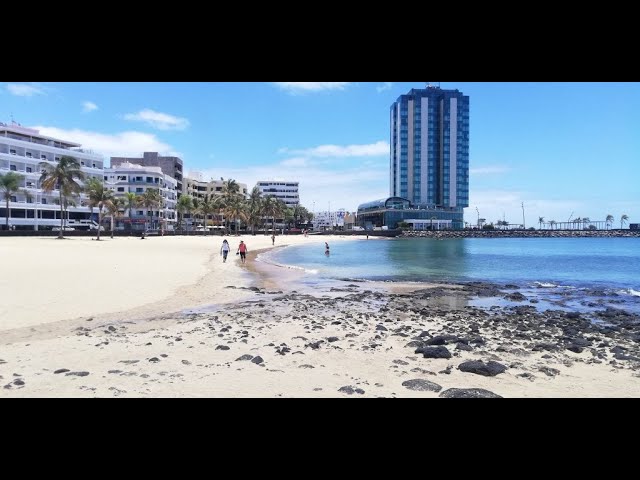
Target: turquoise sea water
column 610, row 263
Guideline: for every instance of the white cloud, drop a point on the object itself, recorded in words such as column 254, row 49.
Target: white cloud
column 24, row 90
column 489, row 169
column 295, row 162
column 301, row 87
column 371, row 149
column 89, row 107
column 159, row 120
column 384, row 86
column 123, row 144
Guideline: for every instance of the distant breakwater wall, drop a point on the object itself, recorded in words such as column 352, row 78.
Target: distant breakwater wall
column 521, row 233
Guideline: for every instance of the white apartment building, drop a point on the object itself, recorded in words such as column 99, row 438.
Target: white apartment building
column 198, row 188
column 132, row 178
column 21, row 150
column 285, row 191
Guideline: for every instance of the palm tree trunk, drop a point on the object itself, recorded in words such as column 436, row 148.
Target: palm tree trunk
column 8, row 215
column 61, row 215
column 130, row 220
column 111, row 225
column 273, row 225
column 99, row 222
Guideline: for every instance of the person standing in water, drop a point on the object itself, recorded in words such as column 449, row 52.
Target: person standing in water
column 326, row 248
column 242, row 250
column 224, row 250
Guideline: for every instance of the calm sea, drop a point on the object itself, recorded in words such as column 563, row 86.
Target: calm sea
column 611, row 263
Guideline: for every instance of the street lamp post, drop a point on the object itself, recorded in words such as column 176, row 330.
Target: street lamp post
column 523, row 224
column 478, row 216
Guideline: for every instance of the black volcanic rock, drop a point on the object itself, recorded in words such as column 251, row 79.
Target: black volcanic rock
column 436, row 352
column 421, row 385
column 490, row 369
column 468, row 393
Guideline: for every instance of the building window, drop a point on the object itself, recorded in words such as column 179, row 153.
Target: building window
column 121, row 189
column 139, row 190
column 13, row 198
column 43, row 157
column 29, row 170
column 13, row 167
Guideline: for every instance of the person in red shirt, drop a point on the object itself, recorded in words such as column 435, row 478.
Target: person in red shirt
column 242, row 249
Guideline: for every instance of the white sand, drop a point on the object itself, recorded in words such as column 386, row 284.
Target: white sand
column 45, row 280
column 81, row 305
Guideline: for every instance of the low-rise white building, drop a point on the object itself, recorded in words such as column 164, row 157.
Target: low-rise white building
column 132, row 178
column 21, row 151
column 329, row 220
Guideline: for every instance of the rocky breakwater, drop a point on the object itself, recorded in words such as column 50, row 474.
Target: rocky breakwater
column 521, row 233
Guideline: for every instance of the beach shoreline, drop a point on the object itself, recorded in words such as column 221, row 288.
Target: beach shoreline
column 255, row 330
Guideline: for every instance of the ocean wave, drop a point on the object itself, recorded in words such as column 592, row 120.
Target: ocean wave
column 629, row 291
column 552, row 285
column 267, row 259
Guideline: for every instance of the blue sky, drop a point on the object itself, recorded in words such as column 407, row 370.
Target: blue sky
column 560, row 148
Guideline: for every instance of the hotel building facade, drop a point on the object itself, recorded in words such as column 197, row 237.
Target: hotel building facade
column 172, row 166
column 133, row 178
column 429, row 162
column 21, row 151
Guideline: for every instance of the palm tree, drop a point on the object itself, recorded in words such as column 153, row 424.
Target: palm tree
column 552, row 223
column 185, row 204
column 99, row 197
column 129, row 201
column 577, row 221
column 10, row 185
column 272, row 207
column 151, row 199
column 609, row 220
column 623, row 219
column 230, row 191
column 585, row 220
column 206, row 207
column 67, row 199
column 114, row 210
column 63, row 176
column 540, row 221
column 235, row 209
column 254, row 207
column 289, row 216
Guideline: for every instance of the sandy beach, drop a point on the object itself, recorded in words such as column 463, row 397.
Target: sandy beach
column 164, row 317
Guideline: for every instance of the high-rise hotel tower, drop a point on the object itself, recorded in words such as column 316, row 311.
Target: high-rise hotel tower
column 429, row 164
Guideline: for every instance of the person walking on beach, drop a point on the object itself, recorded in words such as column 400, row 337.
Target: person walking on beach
column 242, row 250
column 273, row 239
column 326, row 248
column 224, row 250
